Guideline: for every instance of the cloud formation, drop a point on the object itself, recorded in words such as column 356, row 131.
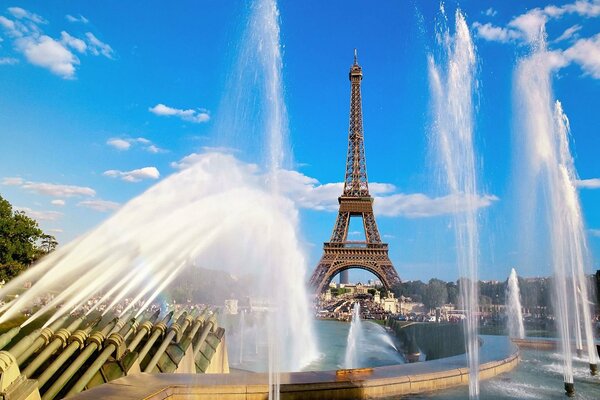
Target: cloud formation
column 594, row 232
column 309, row 193
column 8, row 61
column 50, row 189
column 490, row 12
column 58, row 202
column 526, row 28
column 99, row 205
column 197, row 116
column 124, row 144
column 80, row 18
column 135, row 175
column 593, row 183
column 54, row 54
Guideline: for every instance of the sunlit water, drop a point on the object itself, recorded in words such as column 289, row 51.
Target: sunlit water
column 376, row 348
column 453, row 85
column 355, row 337
column 538, row 376
column 208, row 214
column 514, row 312
column 547, row 178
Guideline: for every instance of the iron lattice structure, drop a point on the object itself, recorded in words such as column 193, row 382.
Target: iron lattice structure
column 340, row 254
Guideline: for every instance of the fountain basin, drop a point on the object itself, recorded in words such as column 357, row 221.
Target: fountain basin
column 498, row 355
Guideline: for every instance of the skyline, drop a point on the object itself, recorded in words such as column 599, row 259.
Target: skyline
column 97, row 108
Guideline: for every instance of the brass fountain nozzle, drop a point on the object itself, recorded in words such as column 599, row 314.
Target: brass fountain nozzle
column 570, row 389
column 154, row 317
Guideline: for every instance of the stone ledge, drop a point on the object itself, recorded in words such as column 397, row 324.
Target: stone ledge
column 381, row 382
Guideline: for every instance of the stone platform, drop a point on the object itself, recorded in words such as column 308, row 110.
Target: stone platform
column 497, row 355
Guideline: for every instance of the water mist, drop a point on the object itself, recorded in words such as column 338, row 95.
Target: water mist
column 452, row 82
column 208, row 214
column 547, row 176
column 514, row 312
column 355, row 335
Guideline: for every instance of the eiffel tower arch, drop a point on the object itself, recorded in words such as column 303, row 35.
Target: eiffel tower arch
column 341, row 254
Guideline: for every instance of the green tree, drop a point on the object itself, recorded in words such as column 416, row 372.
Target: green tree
column 453, row 292
column 21, row 241
column 435, row 294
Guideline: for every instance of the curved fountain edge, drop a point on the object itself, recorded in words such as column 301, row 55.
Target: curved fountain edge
column 394, row 380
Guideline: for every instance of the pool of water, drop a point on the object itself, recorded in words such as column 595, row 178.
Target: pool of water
column 538, row 376
column 375, row 349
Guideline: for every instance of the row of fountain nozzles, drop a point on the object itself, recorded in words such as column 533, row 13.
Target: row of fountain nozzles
column 84, row 335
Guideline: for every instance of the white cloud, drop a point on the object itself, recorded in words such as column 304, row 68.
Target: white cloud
column 197, row 116
column 586, row 53
column 45, row 51
column 21, row 13
column 569, row 33
column 593, row 183
column 99, row 205
column 58, row 202
column 73, row 42
column 419, row 205
column 48, row 53
column 530, row 23
column 594, row 232
column 98, row 47
column 135, row 175
column 8, row 61
column 528, row 26
column 50, row 189
column 308, row 193
column 490, row 12
column 126, row 143
column 493, row 33
column 12, row 181
column 119, row 144
column 54, row 190
column 584, row 8
column 9, row 25
column 193, row 158
column 41, row 215
column 80, row 18
column 154, row 149
column 55, row 230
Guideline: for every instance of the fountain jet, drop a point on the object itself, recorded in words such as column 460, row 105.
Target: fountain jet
column 355, row 335
column 453, row 85
column 513, row 307
column 547, row 175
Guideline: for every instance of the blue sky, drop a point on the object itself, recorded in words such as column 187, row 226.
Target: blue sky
column 98, row 101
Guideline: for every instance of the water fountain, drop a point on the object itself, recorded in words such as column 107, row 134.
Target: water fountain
column 548, row 179
column 142, row 247
column 452, row 81
column 514, row 312
column 355, row 335
column 242, row 328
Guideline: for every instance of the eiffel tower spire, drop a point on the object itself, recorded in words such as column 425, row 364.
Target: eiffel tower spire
column 340, row 254
column 355, row 182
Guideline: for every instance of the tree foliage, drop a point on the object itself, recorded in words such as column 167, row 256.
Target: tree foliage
column 435, row 294
column 22, row 241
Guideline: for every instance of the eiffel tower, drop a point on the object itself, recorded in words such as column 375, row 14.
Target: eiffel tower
column 340, row 254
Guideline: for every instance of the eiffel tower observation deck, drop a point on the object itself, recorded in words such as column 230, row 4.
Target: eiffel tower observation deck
column 341, row 254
